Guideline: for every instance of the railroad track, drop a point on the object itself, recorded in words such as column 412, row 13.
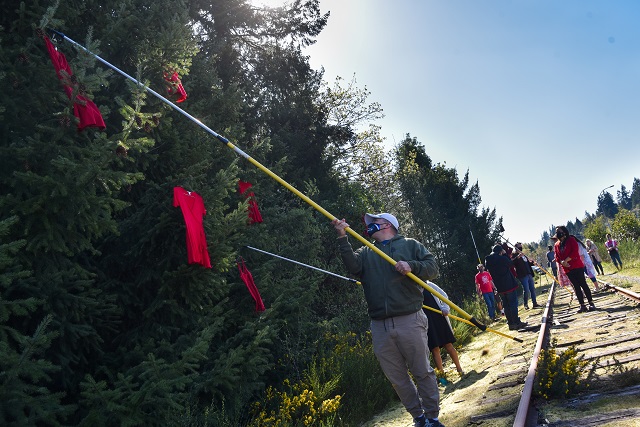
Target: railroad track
column 608, row 339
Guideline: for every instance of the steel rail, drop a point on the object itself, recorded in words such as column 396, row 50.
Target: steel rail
column 529, row 382
column 634, row 296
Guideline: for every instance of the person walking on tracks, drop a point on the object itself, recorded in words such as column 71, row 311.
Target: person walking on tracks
column 486, row 290
column 551, row 261
column 592, row 249
column 589, row 268
column 612, row 247
column 525, row 275
column 568, row 256
column 499, row 266
column 394, row 301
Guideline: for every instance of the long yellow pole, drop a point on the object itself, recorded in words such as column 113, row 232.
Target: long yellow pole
column 360, row 283
column 466, row 321
column 278, row 179
column 357, row 236
column 535, row 262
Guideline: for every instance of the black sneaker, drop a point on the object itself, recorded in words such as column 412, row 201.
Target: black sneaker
column 517, row 326
column 433, row 423
column 420, row 421
column 583, row 309
column 592, row 307
column 537, row 306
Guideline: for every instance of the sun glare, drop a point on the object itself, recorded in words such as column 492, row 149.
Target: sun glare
column 269, row 3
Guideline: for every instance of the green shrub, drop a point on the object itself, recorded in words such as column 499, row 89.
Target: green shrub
column 345, row 386
column 629, row 253
column 625, row 226
column 363, row 385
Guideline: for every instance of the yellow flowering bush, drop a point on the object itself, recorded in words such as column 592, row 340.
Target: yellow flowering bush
column 343, row 384
column 302, row 404
column 559, row 375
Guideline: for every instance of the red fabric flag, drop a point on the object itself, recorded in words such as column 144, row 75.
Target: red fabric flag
column 253, row 211
column 174, row 85
column 247, row 278
column 83, row 108
column 193, row 211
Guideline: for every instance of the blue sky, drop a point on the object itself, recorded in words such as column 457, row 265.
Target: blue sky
column 539, row 100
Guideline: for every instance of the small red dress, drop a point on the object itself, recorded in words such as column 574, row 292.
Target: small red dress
column 193, row 211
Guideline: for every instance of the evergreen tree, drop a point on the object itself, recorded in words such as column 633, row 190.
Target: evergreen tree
column 578, row 228
column 93, row 262
column 624, row 198
column 25, row 374
column 174, row 309
column 62, row 184
column 133, row 322
column 606, row 205
column 545, row 237
column 443, row 208
column 635, row 193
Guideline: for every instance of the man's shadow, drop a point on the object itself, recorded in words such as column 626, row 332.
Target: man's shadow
column 467, row 379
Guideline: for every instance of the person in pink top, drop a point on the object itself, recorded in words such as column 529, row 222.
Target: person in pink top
column 612, row 247
column 486, row 290
column 568, row 256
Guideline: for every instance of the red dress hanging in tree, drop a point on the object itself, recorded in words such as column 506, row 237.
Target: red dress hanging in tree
column 247, row 278
column 193, row 211
column 174, row 85
column 254, row 213
column 83, row 108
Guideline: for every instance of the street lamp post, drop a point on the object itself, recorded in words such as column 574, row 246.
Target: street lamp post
column 602, row 192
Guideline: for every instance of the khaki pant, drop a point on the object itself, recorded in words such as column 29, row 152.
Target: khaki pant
column 400, row 343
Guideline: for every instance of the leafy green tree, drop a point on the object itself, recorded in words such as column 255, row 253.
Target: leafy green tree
column 357, row 149
column 596, row 229
column 625, row 225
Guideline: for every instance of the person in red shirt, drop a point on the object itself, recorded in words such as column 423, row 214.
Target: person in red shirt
column 486, row 290
column 568, row 256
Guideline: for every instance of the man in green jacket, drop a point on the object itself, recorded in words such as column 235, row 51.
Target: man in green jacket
column 398, row 324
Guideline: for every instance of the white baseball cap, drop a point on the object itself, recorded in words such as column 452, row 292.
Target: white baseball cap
column 368, row 219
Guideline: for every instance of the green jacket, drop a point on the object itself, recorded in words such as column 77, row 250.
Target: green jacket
column 389, row 293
